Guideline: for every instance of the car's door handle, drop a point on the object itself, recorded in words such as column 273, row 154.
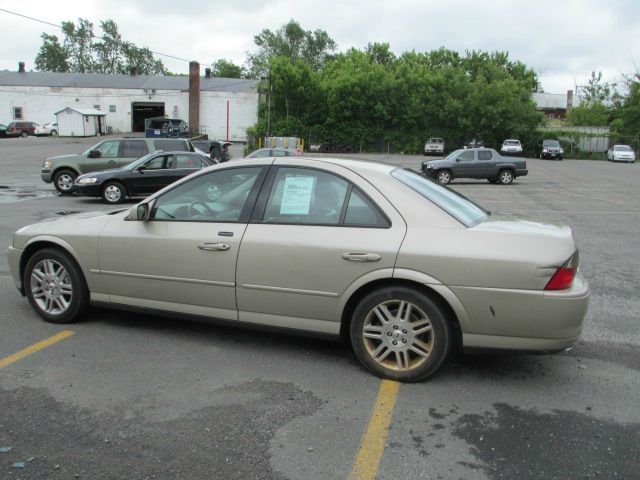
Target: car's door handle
column 112, row 161
column 213, row 247
column 361, row 257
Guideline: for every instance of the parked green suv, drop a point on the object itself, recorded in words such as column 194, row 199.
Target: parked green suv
column 62, row 170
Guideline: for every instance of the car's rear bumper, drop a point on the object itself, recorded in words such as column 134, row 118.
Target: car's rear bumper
column 521, row 172
column 524, row 319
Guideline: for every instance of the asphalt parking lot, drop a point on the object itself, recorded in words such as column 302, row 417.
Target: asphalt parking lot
column 130, row 396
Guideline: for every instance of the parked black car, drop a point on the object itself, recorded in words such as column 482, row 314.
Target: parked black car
column 141, row 177
column 476, row 163
column 3, row 130
column 550, row 148
column 21, row 129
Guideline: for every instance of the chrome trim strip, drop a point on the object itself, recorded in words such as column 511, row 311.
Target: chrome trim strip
column 163, row 278
column 290, row 290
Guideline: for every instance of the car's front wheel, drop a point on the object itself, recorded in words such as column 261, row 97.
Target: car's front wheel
column 24, row 134
column 400, row 333
column 444, row 177
column 63, row 181
column 113, row 192
column 53, row 133
column 505, row 177
column 55, row 286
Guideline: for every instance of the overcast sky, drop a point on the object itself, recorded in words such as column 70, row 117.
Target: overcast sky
column 562, row 40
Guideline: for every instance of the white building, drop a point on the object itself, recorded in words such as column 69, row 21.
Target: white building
column 129, row 99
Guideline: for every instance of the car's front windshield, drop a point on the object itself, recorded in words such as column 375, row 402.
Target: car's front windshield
column 454, row 154
column 455, row 204
column 551, row 143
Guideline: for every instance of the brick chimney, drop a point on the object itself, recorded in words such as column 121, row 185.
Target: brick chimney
column 21, row 67
column 569, row 99
column 194, row 96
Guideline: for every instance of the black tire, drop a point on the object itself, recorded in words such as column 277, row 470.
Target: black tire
column 63, row 181
column 444, row 177
column 49, row 291
column 54, row 133
column 438, row 338
column 24, row 134
column 113, row 193
column 505, row 177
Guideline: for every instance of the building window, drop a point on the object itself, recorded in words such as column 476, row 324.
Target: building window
column 112, row 109
column 97, row 107
column 17, row 113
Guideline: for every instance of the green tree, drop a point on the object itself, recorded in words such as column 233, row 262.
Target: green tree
column 594, row 114
column 227, row 69
column 596, row 90
column 52, row 56
column 292, row 42
column 81, row 51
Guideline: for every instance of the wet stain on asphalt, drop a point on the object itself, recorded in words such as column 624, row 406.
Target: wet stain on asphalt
column 229, row 441
column 515, row 443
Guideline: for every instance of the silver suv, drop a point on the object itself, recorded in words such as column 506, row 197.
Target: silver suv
column 63, row 170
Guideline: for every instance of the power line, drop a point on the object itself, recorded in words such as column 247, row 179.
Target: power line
column 95, row 36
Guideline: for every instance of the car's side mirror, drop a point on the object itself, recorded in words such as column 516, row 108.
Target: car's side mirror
column 94, row 154
column 458, row 160
column 141, row 212
column 141, row 168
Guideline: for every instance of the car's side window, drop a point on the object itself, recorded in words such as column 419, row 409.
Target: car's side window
column 360, row 211
column 108, row 149
column 218, row 196
column 134, row 148
column 467, row 156
column 484, row 155
column 263, row 153
column 187, row 161
column 305, row 196
column 157, row 163
column 279, row 153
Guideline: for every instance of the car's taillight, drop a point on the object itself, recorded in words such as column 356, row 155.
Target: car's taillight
column 563, row 278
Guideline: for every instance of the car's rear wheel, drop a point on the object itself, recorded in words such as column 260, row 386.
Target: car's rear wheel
column 24, row 134
column 55, row 286
column 54, row 133
column 505, row 177
column 444, row 177
column 400, row 333
column 63, row 181
column 113, row 192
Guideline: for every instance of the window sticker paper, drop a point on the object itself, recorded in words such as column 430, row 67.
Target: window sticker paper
column 296, row 195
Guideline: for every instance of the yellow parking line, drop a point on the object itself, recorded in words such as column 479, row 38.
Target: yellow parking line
column 34, row 348
column 372, row 444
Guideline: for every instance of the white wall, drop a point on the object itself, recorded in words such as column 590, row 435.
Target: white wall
column 40, row 103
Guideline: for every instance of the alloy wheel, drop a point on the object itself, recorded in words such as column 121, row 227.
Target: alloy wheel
column 51, row 287
column 398, row 335
column 64, row 182
column 112, row 194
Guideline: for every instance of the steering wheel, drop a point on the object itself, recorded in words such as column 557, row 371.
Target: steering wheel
column 195, row 212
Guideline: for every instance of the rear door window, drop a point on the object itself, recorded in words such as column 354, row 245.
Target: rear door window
column 134, row 148
column 484, row 155
column 169, row 145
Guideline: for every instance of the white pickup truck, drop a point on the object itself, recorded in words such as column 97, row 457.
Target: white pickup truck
column 434, row 146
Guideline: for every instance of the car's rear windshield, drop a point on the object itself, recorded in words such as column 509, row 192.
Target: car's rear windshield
column 435, row 140
column 455, row 204
column 512, row 142
column 622, row 148
column 551, row 143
